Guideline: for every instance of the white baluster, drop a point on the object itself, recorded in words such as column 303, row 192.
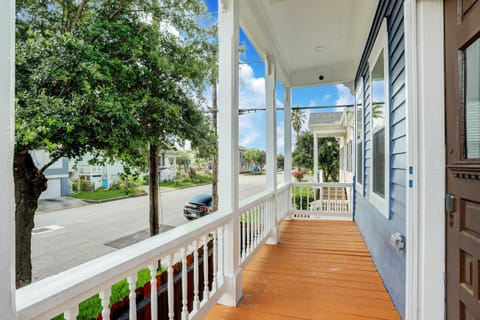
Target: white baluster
column 205, row 269
column 254, row 226
column 196, row 299
column 262, row 221
column 105, row 298
column 243, row 253
column 215, row 262
column 71, row 314
column 171, row 312
column 249, row 234
column 153, row 291
column 301, row 198
column 220, row 256
column 184, row 285
column 132, row 285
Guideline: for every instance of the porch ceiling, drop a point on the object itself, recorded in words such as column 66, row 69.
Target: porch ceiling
column 309, row 38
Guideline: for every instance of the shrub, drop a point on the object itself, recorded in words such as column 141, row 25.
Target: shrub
column 298, row 174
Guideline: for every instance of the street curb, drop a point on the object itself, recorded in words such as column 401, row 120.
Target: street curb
column 181, row 188
column 140, row 195
column 113, row 199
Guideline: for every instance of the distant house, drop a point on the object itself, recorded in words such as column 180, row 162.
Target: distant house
column 244, row 165
column 339, row 125
column 167, row 165
column 98, row 175
column 57, row 175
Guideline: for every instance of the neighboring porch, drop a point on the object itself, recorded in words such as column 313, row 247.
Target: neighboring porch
column 319, row 270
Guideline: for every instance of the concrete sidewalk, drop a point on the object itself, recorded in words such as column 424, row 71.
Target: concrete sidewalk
column 55, row 204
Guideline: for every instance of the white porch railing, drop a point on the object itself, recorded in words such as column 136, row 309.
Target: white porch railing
column 332, row 201
column 193, row 245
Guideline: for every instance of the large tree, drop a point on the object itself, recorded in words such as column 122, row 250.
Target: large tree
column 99, row 76
column 328, row 154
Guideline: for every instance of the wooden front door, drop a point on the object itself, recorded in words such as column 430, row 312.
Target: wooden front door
column 462, row 89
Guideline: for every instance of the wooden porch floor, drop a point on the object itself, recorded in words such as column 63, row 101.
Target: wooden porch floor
column 320, row 270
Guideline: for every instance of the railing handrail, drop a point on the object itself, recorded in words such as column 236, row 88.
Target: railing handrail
column 323, row 184
column 85, row 280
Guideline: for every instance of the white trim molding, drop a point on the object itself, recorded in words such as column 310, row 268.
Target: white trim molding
column 7, row 141
column 425, row 227
column 381, row 48
column 359, row 90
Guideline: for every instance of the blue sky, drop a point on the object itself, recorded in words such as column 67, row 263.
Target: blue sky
column 252, row 95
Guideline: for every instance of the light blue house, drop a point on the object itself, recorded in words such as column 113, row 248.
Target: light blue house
column 57, row 175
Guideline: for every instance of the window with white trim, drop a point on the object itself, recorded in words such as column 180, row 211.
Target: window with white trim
column 378, row 63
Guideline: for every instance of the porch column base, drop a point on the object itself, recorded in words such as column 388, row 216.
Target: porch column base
column 273, row 239
column 233, row 289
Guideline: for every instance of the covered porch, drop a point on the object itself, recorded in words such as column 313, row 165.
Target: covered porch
column 319, row 270
column 263, row 255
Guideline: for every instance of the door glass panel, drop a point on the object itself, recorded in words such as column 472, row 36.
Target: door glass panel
column 472, row 100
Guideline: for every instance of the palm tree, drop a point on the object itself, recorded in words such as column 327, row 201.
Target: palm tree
column 298, row 119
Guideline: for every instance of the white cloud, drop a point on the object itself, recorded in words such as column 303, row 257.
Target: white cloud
column 344, row 95
column 251, row 95
column 252, row 89
column 249, row 135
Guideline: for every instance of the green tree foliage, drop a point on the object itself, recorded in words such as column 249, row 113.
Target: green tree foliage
column 280, row 161
column 328, row 155
column 100, row 76
column 255, row 156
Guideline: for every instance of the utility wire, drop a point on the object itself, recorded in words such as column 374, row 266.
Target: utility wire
column 251, row 110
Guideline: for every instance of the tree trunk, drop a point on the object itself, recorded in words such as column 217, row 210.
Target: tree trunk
column 126, row 185
column 29, row 184
column 153, row 188
column 215, row 155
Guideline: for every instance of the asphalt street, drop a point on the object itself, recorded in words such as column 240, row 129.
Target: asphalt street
column 69, row 237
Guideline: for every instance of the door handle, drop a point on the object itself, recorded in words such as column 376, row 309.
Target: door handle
column 450, row 208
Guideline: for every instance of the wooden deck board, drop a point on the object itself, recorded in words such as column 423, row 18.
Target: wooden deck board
column 320, row 270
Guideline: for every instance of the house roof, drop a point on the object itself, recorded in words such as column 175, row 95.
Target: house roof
column 325, row 118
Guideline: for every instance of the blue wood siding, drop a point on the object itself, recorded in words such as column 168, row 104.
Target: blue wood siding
column 375, row 227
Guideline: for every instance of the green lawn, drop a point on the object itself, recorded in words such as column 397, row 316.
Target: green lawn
column 99, row 195
column 198, row 180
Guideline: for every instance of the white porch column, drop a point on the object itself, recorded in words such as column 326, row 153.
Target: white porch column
column 315, row 158
column 271, row 135
column 228, row 154
column 425, row 219
column 287, row 134
column 7, row 200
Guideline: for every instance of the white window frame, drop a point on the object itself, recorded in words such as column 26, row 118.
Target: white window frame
column 381, row 43
column 359, row 186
